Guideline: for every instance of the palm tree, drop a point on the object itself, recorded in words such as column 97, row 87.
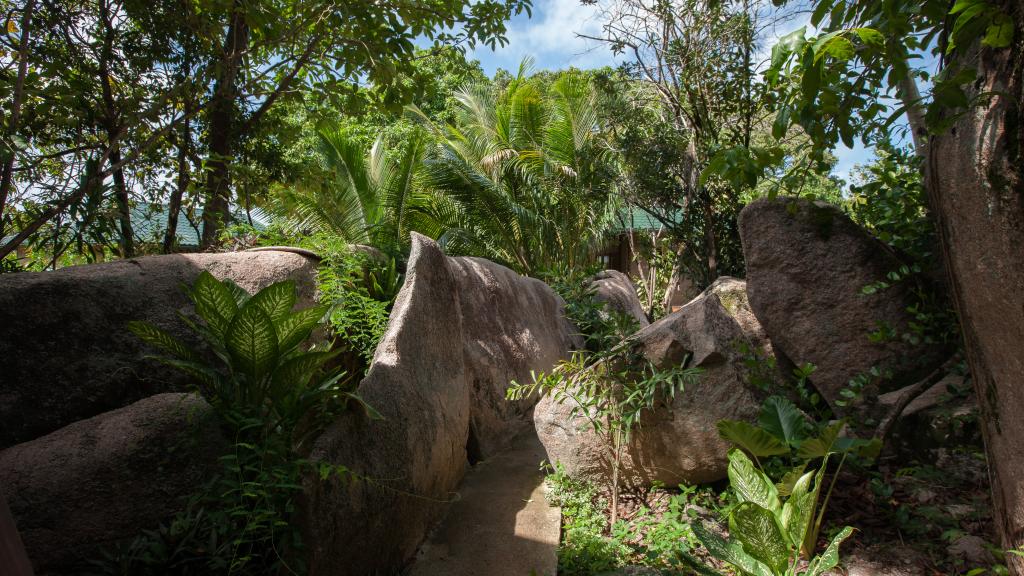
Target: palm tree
column 523, row 176
column 369, row 196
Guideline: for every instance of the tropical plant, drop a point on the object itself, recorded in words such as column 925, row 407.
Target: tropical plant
column 765, row 533
column 370, row 196
column 785, row 430
column 524, row 175
column 263, row 373
column 608, row 384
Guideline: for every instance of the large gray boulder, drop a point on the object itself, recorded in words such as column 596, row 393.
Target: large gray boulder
column 618, row 293
column 67, row 354
column 677, row 442
column 107, row 478
column 807, row 264
column 512, row 326
column 406, row 467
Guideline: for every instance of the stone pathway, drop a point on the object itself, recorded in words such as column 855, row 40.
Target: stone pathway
column 501, row 525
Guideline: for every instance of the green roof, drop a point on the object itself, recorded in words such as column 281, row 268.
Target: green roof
column 150, row 222
column 634, row 218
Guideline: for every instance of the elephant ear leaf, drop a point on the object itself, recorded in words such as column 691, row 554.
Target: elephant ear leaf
column 252, row 341
column 830, row 557
column 823, row 445
column 798, row 511
column 750, row 484
column 730, row 552
column 751, row 438
column 761, row 535
column 782, row 419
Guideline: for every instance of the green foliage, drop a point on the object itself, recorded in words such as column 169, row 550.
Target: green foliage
column 609, row 384
column 368, row 197
column 584, row 549
column 240, row 522
column 272, row 395
column 785, row 430
column 650, row 537
column 766, row 534
column 523, row 176
column 263, row 373
column 362, row 289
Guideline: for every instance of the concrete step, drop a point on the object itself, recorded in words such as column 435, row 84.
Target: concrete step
column 501, row 525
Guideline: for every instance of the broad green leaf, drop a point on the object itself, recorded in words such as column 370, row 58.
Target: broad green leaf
column 751, row 438
column 252, row 341
column 214, row 303
column 870, row 36
column 781, row 124
column 829, row 559
column 204, row 375
column 782, row 419
column 239, row 293
column 865, row 448
column 962, row 5
column 819, row 12
column 838, row 48
column 789, row 480
column 759, row 532
column 296, row 372
column 156, row 337
column 276, row 300
column 823, row 444
column 798, row 511
column 999, row 33
column 749, row 483
column 296, row 327
column 730, row 552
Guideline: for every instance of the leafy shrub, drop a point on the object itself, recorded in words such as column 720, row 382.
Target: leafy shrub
column 362, row 290
column 609, row 383
column 784, row 430
column 766, row 534
column 263, row 382
column 585, row 549
column 273, row 395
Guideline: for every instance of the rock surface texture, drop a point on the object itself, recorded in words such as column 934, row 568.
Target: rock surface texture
column 67, row 354
column 461, row 329
column 618, row 292
column 512, row 325
column 678, row 442
column 806, row 266
column 409, row 463
column 107, row 478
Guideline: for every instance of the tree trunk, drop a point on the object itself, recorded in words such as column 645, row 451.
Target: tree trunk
column 220, row 138
column 911, row 98
column 174, row 206
column 976, row 184
column 111, row 123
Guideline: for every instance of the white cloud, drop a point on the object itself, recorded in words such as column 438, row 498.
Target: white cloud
column 550, row 37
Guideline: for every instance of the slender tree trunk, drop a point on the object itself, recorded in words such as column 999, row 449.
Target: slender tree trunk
column 181, row 185
column 7, row 172
column 911, row 98
column 709, row 239
column 975, row 177
column 220, row 138
column 112, row 125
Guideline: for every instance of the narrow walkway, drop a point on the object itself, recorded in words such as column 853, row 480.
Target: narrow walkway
column 501, row 525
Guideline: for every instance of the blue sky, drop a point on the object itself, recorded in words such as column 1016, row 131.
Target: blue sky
column 550, row 38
